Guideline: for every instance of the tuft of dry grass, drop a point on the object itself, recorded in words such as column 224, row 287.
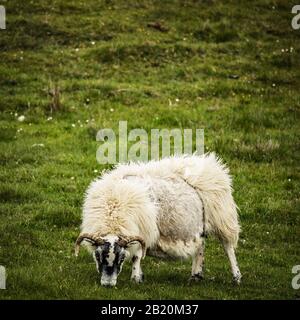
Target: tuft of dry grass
column 55, row 94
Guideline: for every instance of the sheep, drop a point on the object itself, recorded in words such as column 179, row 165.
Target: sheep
column 162, row 208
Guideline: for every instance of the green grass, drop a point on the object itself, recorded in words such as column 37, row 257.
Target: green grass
column 235, row 69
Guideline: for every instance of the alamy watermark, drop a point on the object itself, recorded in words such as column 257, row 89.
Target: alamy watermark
column 140, row 145
column 296, row 18
column 2, row 278
column 2, row 17
column 296, row 279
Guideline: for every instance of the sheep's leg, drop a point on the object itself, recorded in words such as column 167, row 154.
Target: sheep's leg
column 137, row 274
column 198, row 262
column 229, row 249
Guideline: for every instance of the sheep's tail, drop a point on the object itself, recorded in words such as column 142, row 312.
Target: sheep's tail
column 212, row 180
column 222, row 217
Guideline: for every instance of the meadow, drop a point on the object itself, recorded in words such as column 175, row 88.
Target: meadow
column 70, row 68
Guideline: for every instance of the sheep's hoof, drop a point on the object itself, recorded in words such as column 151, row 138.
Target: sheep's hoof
column 196, row 278
column 237, row 279
column 138, row 279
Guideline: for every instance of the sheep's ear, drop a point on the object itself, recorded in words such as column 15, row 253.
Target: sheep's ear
column 135, row 242
column 77, row 246
column 94, row 241
column 132, row 243
column 127, row 242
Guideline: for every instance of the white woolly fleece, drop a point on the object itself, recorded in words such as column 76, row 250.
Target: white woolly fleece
column 162, row 202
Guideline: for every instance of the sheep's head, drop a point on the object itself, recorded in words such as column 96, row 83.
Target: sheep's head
column 109, row 253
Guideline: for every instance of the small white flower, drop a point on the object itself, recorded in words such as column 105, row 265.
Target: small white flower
column 111, row 110
column 21, row 118
column 273, row 85
column 289, row 180
column 72, row 178
column 49, row 118
column 93, row 43
column 177, row 100
column 73, row 125
column 38, row 145
column 95, row 170
column 77, row 49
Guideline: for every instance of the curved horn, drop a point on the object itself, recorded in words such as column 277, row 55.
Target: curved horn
column 94, row 239
column 125, row 241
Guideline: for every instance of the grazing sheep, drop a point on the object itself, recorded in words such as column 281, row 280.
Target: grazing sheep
column 163, row 208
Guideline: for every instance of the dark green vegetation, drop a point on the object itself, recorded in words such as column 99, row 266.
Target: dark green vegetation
column 234, row 70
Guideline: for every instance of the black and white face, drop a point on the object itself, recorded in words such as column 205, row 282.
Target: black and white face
column 109, row 259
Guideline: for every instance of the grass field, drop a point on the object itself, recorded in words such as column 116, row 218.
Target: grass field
column 232, row 68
